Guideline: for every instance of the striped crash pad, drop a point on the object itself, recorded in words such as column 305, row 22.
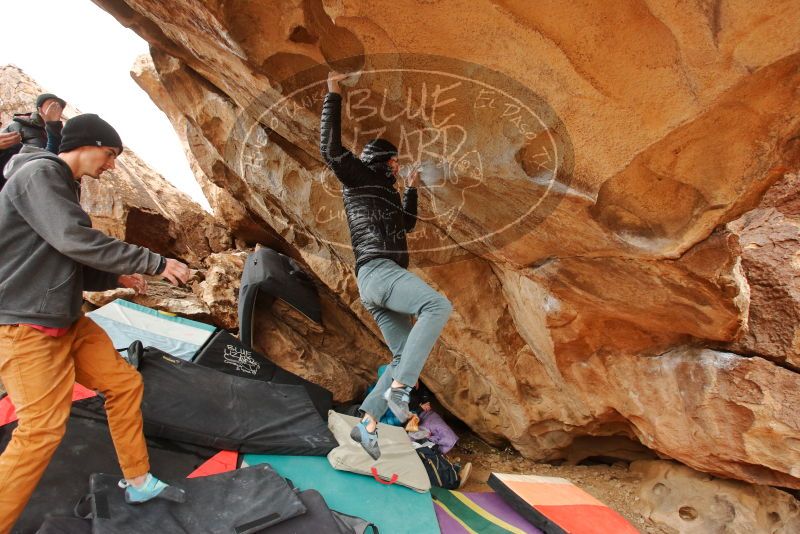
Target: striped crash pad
column 394, row 509
column 484, row 513
column 557, row 506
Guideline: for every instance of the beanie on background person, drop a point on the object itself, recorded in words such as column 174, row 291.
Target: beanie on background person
column 378, row 151
column 42, row 98
column 88, row 130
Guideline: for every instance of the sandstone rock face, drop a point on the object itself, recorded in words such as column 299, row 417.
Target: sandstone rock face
column 139, row 206
column 691, row 502
column 226, row 208
column 210, row 296
column 768, row 237
column 160, row 296
column 588, row 210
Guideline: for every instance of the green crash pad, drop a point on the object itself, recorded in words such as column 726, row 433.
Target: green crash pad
column 394, row 509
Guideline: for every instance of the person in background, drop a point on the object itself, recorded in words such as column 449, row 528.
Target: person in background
column 40, row 128
column 51, row 254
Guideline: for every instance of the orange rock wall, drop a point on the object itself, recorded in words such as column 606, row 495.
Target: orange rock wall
column 652, row 297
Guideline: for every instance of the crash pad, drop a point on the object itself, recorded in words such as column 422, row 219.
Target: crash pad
column 393, row 509
column 487, row 513
column 126, row 322
column 557, row 506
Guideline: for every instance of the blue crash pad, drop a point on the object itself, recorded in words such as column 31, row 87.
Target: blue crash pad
column 394, row 509
column 126, row 322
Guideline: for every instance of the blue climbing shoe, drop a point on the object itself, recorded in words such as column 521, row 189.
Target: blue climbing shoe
column 368, row 440
column 398, row 399
column 152, row 488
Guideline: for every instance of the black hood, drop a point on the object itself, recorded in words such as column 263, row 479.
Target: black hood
column 378, row 150
column 376, row 154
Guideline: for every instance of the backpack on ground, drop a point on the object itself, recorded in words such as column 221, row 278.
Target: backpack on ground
column 441, row 471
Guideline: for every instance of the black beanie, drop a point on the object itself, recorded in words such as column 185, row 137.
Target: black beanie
column 44, row 97
column 88, row 130
column 378, row 151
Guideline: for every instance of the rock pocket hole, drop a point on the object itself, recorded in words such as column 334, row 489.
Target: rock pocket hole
column 661, row 490
column 774, row 517
column 300, row 34
column 687, row 513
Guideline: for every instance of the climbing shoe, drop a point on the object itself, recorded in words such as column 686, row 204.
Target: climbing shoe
column 398, row 399
column 368, row 440
column 152, row 488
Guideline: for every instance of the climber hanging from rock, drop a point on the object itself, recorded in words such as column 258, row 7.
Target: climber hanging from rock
column 378, row 223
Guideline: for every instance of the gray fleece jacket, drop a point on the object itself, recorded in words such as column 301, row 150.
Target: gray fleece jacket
column 49, row 252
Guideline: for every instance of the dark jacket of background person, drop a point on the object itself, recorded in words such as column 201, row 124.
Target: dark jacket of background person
column 377, row 220
column 50, row 252
column 34, row 132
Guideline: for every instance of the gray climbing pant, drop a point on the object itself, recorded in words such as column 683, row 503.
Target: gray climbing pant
column 392, row 295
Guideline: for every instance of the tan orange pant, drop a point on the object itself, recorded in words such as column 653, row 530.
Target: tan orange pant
column 39, row 371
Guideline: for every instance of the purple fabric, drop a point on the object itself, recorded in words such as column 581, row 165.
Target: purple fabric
column 448, row 525
column 493, row 504
column 441, row 434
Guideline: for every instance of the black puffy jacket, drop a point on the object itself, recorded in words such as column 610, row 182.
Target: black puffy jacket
column 33, row 129
column 377, row 220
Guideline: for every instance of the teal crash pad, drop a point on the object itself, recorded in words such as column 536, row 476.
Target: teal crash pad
column 394, row 509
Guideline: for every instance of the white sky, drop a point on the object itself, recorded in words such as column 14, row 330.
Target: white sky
column 81, row 53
